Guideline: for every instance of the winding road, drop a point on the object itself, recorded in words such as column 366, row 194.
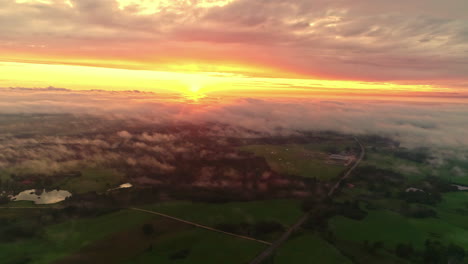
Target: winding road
column 269, row 251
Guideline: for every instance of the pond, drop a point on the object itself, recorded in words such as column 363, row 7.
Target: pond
column 461, row 187
column 122, row 186
column 42, row 196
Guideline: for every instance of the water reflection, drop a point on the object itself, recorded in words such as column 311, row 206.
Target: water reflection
column 122, row 186
column 193, row 96
column 42, row 197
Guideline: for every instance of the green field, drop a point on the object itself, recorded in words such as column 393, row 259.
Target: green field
column 60, row 240
column 413, row 170
column 301, row 160
column 93, row 180
column 308, row 248
column 284, row 211
column 416, row 171
column 200, row 247
column 388, row 220
column 170, row 242
column 392, row 228
column 447, row 171
column 454, row 209
column 119, row 236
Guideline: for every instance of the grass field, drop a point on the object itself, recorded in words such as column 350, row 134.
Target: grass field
column 4, row 175
column 413, row 170
column 120, row 232
column 60, row 240
column 301, row 160
column 447, row 171
column 170, row 242
column 200, row 247
column 392, row 228
column 284, row 211
column 454, row 209
column 309, row 248
column 416, row 171
column 93, row 179
column 359, row 254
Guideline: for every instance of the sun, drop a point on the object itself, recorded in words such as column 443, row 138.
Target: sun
column 194, row 93
column 194, row 88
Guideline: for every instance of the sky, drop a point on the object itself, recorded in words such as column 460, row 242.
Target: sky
column 248, row 46
column 393, row 68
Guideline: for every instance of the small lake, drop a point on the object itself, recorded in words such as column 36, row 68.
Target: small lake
column 42, row 197
column 125, row 185
column 461, row 187
column 122, row 186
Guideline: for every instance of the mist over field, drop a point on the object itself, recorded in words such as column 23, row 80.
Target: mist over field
column 233, row 131
column 431, row 122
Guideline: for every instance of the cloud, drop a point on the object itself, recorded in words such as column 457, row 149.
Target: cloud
column 124, row 134
column 414, row 121
column 157, row 137
column 418, row 41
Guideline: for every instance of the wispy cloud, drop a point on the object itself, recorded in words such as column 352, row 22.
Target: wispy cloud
column 417, row 41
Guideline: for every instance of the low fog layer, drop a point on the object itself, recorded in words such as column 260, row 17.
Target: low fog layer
column 414, row 122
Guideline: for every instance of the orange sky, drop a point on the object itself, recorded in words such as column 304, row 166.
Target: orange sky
column 248, row 47
column 190, row 80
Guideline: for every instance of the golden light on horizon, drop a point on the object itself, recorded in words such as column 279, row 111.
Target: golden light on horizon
column 77, row 77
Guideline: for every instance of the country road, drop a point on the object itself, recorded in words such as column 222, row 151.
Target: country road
column 201, row 226
column 267, row 252
column 361, row 156
column 271, row 246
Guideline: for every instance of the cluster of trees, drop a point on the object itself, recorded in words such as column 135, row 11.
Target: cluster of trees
column 320, row 209
column 404, row 250
column 419, row 156
column 373, row 247
column 378, row 140
column 381, row 182
column 4, row 199
column 434, row 252
column 431, row 191
column 417, row 211
column 15, row 230
column 350, row 209
column 19, row 182
column 437, row 253
column 181, row 254
column 422, row 197
column 439, row 185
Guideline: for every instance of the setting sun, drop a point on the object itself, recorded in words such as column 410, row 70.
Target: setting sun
column 233, row 131
column 195, row 88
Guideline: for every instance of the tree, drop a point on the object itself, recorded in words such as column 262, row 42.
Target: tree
column 267, row 227
column 147, row 229
column 182, row 254
column 404, row 250
column 434, row 252
column 375, row 247
column 455, row 254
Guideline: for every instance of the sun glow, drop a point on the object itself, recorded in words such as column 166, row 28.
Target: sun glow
column 192, row 85
column 195, row 88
